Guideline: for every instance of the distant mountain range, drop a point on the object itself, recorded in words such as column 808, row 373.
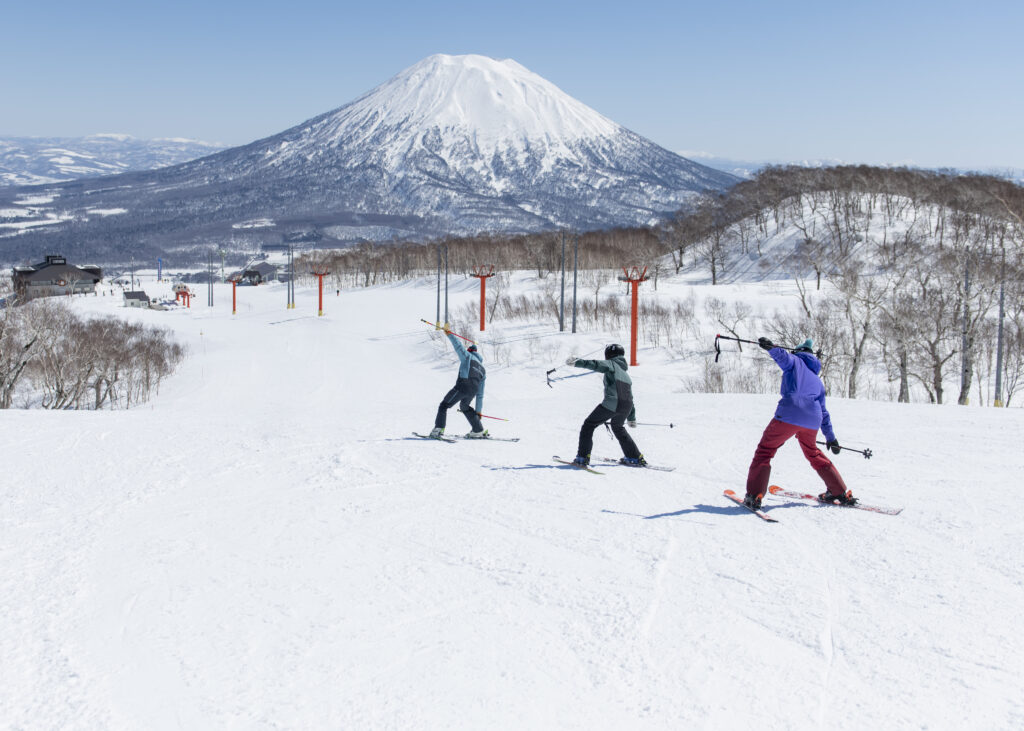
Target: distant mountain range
column 746, row 169
column 41, row 160
column 452, row 145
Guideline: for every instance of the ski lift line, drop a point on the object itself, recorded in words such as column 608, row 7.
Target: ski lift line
column 519, row 339
column 395, row 336
column 291, row 319
column 505, row 341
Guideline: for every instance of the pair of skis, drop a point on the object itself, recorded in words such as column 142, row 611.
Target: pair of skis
column 776, row 490
column 611, row 460
column 452, row 440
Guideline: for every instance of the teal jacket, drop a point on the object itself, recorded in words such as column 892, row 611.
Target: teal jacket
column 614, row 371
column 471, row 368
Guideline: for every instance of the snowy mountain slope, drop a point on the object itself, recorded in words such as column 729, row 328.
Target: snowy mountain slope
column 40, row 160
column 263, row 545
column 452, row 145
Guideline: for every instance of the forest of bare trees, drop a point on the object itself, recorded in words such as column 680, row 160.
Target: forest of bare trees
column 902, row 274
column 52, row 358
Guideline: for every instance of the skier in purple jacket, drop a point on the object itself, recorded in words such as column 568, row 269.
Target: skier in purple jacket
column 800, row 413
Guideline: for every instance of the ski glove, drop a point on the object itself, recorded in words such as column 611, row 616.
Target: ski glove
column 571, row 360
column 631, row 424
column 833, row 445
column 765, row 343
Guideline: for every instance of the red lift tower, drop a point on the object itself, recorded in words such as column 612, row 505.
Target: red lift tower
column 634, row 276
column 482, row 273
column 320, row 277
column 183, row 295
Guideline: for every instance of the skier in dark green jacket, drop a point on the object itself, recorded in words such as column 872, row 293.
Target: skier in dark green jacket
column 617, row 406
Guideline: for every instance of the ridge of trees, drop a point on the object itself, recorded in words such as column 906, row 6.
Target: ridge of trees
column 701, row 233
column 916, row 263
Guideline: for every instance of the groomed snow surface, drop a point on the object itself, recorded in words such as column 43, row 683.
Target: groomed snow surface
column 265, row 546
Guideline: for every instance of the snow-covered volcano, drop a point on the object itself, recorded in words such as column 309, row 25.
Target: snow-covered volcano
column 491, row 145
column 492, row 105
column 451, row 145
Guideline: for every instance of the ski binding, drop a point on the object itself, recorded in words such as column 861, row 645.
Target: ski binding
column 776, row 490
column 759, row 512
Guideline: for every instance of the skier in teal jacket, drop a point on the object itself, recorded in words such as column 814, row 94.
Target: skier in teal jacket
column 617, row 406
column 468, row 385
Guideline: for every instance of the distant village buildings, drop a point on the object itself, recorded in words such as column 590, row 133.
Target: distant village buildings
column 136, row 299
column 54, row 277
column 255, row 274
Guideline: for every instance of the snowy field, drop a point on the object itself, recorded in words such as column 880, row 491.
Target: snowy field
column 265, row 546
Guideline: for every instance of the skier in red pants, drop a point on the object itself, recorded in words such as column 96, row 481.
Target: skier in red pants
column 800, row 413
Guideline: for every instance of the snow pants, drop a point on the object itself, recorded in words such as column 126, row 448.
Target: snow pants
column 775, row 435
column 618, row 419
column 462, row 393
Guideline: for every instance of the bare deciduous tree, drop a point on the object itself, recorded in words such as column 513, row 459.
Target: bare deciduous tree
column 18, row 342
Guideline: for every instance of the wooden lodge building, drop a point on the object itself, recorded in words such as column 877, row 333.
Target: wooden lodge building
column 54, row 277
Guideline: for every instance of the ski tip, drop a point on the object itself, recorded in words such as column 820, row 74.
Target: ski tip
column 728, row 492
column 774, row 489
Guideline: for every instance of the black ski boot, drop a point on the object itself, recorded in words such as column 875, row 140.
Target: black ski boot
column 634, row 461
column 846, row 499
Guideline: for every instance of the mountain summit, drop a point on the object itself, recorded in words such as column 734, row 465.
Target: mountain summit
column 451, row 145
column 494, row 104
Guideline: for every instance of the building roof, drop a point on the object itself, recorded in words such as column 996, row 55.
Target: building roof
column 54, row 260
column 138, row 295
column 262, row 268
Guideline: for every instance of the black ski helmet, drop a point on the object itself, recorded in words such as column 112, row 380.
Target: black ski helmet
column 613, row 350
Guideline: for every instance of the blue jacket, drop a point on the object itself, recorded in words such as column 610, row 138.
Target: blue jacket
column 803, row 393
column 471, row 368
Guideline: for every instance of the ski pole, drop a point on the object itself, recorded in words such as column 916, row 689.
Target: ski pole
column 865, row 452
column 485, row 416
column 547, row 374
column 564, row 378
column 718, row 348
column 453, row 333
column 644, row 423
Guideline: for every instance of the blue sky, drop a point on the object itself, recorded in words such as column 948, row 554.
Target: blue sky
column 926, row 83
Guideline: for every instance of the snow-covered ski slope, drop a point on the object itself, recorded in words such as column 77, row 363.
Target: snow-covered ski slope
column 265, row 545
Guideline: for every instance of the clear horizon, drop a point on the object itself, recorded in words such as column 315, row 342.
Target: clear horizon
column 932, row 85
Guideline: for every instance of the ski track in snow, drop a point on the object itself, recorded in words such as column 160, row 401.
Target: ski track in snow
column 261, row 547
